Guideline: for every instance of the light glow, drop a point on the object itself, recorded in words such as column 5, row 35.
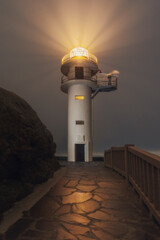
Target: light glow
column 99, row 26
column 79, row 97
column 79, row 52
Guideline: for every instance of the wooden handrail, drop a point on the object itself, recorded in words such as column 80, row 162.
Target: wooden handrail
column 141, row 169
column 149, row 157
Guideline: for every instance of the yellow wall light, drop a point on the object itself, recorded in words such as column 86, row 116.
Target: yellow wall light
column 79, row 97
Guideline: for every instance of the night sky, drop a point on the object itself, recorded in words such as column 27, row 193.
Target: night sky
column 123, row 34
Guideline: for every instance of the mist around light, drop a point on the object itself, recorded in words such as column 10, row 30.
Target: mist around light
column 59, row 26
column 122, row 34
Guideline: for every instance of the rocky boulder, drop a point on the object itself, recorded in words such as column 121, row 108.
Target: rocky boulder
column 27, row 150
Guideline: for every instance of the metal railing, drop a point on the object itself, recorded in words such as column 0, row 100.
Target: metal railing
column 142, row 170
column 107, row 82
column 66, row 79
column 99, row 82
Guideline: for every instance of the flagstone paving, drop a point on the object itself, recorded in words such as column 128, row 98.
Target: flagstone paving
column 89, row 202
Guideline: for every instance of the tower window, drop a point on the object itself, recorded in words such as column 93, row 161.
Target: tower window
column 79, row 97
column 79, row 74
column 79, row 122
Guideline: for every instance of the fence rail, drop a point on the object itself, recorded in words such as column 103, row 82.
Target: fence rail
column 141, row 169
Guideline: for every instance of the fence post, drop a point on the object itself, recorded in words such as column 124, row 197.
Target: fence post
column 126, row 158
column 111, row 158
column 105, row 158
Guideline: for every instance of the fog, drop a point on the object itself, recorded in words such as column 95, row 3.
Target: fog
column 124, row 35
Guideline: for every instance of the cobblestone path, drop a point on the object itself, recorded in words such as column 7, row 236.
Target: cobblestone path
column 89, row 202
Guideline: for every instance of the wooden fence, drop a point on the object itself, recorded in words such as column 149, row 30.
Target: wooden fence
column 141, row 169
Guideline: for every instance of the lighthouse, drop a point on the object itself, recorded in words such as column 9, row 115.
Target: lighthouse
column 82, row 80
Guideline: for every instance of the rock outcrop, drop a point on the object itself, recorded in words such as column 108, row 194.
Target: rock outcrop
column 26, row 148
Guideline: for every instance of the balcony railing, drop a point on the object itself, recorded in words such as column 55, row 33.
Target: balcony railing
column 65, row 79
column 99, row 81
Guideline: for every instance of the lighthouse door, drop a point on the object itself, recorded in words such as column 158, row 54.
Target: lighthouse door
column 79, row 152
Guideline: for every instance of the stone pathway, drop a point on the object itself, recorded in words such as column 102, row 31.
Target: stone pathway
column 89, row 202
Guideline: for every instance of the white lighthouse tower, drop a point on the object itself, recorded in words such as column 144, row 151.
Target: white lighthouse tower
column 82, row 81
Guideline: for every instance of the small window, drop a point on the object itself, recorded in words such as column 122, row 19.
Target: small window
column 79, row 74
column 79, row 122
column 79, row 97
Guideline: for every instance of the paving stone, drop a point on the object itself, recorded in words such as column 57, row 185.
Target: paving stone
column 44, row 208
column 103, row 190
column 102, row 235
column 63, row 181
column 97, row 198
column 124, row 213
column 61, row 191
column 76, row 197
column 86, row 188
column 64, row 235
column 117, row 204
column 72, row 183
column 74, row 218
column 100, row 216
column 81, row 237
column 45, row 225
column 18, row 228
column 105, row 210
column 116, row 229
column 76, row 209
column 63, row 210
column 87, row 181
column 111, row 185
column 75, row 229
column 105, row 196
column 88, row 206
column 116, row 191
column 103, row 184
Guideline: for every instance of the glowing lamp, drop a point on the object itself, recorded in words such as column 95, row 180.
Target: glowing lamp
column 79, row 52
